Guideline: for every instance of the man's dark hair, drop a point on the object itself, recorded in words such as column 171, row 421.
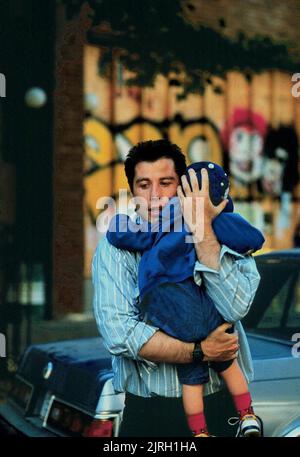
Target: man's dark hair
column 150, row 151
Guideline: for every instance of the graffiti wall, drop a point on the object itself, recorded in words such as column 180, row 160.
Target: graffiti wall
column 251, row 128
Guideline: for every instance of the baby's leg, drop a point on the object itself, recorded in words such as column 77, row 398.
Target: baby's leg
column 235, row 379
column 192, row 377
column 236, row 383
column 238, row 387
column 192, row 396
column 250, row 424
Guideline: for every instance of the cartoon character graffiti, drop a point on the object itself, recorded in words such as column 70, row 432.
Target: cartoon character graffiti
column 243, row 139
column 280, row 172
column 280, row 165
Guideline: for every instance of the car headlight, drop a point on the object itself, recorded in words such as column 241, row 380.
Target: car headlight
column 21, row 392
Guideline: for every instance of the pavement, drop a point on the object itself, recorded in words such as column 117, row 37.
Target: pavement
column 71, row 326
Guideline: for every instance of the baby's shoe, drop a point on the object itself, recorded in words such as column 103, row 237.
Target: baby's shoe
column 250, row 425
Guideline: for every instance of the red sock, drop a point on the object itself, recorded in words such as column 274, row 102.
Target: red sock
column 197, row 423
column 243, row 404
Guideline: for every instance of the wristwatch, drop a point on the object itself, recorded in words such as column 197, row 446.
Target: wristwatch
column 197, row 353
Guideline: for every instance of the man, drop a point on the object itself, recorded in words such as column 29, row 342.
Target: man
column 144, row 357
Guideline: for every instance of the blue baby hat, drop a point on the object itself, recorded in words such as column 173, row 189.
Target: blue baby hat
column 218, row 182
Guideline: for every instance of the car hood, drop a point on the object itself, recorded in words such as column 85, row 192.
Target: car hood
column 272, row 358
column 263, row 347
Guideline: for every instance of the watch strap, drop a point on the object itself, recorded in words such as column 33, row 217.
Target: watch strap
column 197, row 352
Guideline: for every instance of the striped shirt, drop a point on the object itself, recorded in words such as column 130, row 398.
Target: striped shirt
column 125, row 331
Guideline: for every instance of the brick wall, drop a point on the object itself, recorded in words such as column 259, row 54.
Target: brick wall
column 68, row 165
column 275, row 18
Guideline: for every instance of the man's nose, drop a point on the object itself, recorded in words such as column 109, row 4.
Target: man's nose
column 155, row 192
column 158, row 201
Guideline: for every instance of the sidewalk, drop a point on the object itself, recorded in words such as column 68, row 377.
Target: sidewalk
column 71, row 326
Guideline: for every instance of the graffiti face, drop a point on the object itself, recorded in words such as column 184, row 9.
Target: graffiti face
column 272, row 177
column 245, row 154
column 273, row 169
column 243, row 137
column 280, row 171
column 155, row 182
column 199, row 149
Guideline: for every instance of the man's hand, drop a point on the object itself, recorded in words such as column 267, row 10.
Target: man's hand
column 199, row 212
column 220, row 346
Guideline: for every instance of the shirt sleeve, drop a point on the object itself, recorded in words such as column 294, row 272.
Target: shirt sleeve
column 237, row 233
column 126, row 234
column 232, row 288
column 115, row 302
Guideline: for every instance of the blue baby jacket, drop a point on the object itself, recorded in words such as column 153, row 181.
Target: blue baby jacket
column 167, row 256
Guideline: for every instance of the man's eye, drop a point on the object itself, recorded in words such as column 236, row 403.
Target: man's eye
column 143, row 186
column 165, row 183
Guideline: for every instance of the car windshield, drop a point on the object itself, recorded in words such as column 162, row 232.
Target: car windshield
column 276, row 308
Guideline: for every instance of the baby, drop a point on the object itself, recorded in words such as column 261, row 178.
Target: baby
column 172, row 301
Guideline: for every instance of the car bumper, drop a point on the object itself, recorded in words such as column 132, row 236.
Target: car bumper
column 12, row 423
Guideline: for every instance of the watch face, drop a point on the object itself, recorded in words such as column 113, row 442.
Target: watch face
column 197, row 353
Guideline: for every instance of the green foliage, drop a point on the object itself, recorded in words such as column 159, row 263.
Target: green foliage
column 151, row 37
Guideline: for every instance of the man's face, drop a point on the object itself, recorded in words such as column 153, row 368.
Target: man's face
column 155, row 182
